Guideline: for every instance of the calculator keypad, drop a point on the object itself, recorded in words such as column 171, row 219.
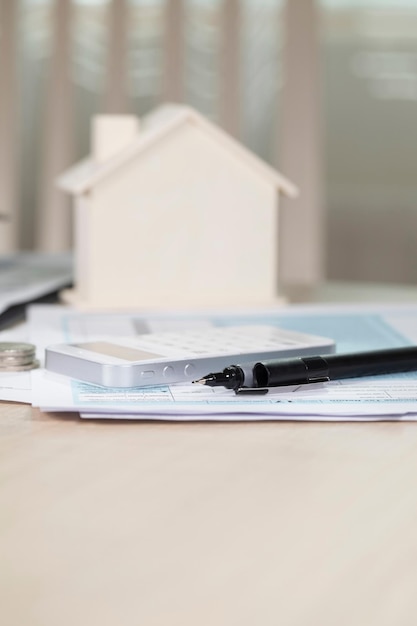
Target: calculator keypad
column 224, row 340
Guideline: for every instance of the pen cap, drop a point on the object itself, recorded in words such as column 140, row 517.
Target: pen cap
column 279, row 372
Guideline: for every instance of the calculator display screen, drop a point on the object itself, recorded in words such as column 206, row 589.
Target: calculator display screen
column 120, row 352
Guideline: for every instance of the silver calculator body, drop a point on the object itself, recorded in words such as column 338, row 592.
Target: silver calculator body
column 177, row 357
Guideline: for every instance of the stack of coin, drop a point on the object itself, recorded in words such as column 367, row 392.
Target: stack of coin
column 17, row 357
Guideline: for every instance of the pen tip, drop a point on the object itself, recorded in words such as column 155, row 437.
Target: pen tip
column 201, row 381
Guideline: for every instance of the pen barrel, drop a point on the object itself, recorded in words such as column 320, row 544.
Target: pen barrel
column 391, row 361
column 337, row 366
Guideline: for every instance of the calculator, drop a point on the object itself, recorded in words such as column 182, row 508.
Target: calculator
column 177, row 357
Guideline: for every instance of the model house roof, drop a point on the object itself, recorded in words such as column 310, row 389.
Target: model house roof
column 153, row 128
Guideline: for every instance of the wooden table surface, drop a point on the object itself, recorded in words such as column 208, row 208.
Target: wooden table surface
column 203, row 524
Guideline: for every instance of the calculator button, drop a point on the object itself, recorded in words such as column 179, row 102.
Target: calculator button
column 147, row 374
column 189, row 369
column 168, row 371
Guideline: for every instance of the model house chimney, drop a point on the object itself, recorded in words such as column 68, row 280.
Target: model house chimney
column 111, row 134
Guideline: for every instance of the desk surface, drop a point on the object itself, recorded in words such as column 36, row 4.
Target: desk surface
column 206, row 524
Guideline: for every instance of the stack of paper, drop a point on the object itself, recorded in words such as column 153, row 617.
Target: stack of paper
column 26, row 276
column 354, row 328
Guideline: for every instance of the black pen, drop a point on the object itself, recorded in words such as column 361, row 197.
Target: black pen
column 310, row 369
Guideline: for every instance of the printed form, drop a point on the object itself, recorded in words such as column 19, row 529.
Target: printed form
column 354, row 328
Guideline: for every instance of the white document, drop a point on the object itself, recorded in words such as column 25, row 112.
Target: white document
column 16, row 387
column 354, row 328
column 190, row 401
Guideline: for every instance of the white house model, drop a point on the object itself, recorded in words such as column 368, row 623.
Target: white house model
column 171, row 211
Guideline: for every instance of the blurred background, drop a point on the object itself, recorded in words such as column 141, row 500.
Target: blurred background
column 324, row 90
